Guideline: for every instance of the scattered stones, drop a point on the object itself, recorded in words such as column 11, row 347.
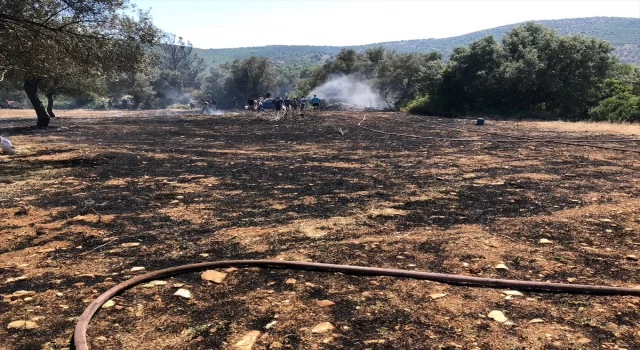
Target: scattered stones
column 22, row 293
column 184, row 293
column 437, row 296
column 502, row 267
column 324, row 303
column 22, row 325
column 108, row 304
column 137, row 268
column 130, row 245
column 290, row 281
column 16, row 279
column 270, row 324
column 247, row 341
column 537, row 320
column 544, row 241
column 154, row 283
column 322, row 327
column 512, row 293
column 213, row 276
column 497, row 315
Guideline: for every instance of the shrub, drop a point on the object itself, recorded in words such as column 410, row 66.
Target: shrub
column 619, row 108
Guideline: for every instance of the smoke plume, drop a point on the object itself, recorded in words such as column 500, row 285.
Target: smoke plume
column 345, row 88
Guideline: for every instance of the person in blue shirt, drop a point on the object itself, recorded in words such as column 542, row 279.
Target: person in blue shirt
column 315, row 101
column 303, row 102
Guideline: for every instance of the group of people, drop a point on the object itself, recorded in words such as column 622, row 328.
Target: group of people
column 287, row 104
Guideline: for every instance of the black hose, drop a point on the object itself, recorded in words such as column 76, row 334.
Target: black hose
column 80, row 332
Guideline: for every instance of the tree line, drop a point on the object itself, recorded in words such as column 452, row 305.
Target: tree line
column 107, row 49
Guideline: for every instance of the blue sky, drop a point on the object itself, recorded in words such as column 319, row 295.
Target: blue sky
column 240, row 23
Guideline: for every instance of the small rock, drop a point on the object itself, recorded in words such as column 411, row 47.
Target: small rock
column 437, row 296
column 583, row 341
column 605, row 220
column 270, row 324
column 178, row 285
column 536, row 320
column 290, row 281
column 545, row 241
column 571, row 279
column 204, row 255
column 324, row 303
column 108, row 304
column 137, row 268
column 129, row 245
column 502, row 267
column 101, row 338
column 22, row 325
column 28, row 299
column 247, row 341
column 497, row 315
column 86, row 275
column 512, row 293
column 37, row 318
column 276, row 345
column 632, row 257
column 23, row 293
column 322, row 327
column 213, row 276
column 183, row 293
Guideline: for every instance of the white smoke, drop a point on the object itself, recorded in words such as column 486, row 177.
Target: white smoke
column 345, row 88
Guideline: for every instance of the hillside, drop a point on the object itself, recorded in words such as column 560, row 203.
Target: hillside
column 623, row 33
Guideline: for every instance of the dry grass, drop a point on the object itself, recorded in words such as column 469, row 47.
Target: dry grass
column 626, row 129
column 192, row 188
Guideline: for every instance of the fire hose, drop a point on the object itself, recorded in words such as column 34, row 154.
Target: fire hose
column 80, row 332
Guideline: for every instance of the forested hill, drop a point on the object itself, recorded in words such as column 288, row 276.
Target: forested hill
column 623, row 33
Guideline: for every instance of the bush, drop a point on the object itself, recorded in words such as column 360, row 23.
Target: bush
column 420, row 105
column 178, row 106
column 619, row 108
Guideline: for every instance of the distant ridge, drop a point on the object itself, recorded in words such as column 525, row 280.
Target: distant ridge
column 621, row 32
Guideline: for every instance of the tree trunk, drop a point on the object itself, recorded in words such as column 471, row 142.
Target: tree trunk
column 50, row 105
column 31, row 88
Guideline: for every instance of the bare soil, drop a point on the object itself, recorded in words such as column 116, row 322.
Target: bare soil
column 192, row 188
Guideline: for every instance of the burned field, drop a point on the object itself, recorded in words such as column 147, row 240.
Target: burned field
column 87, row 201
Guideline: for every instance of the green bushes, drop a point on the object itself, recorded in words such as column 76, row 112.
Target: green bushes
column 619, row 108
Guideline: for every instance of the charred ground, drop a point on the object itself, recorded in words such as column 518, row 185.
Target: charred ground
column 316, row 189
